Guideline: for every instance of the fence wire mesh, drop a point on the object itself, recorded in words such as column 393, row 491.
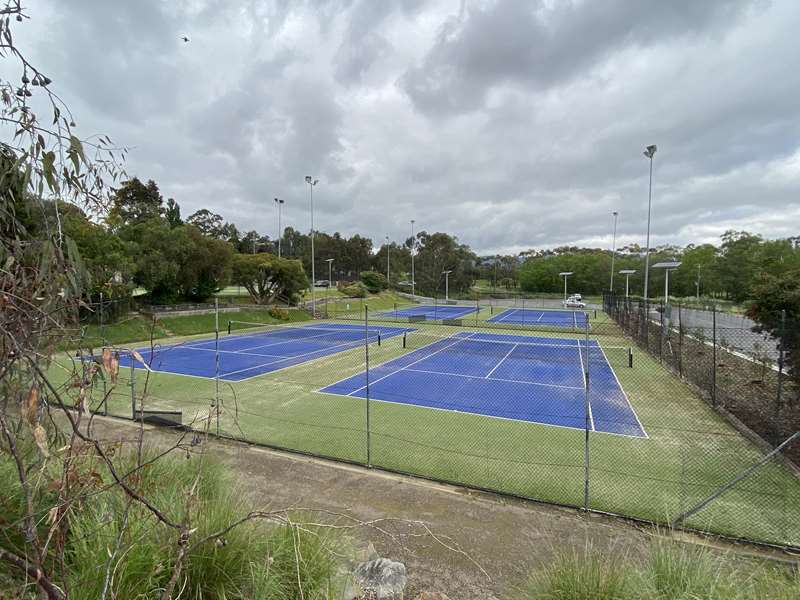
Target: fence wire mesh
column 655, row 413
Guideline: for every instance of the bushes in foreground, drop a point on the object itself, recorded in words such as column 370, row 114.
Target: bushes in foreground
column 252, row 560
column 671, row 571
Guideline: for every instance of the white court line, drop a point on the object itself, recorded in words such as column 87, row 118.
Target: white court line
column 624, row 395
column 508, row 312
column 501, row 361
column 461, row 339
column 285, row 341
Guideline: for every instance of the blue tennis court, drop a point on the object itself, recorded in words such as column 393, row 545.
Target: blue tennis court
column 249, row 355
column 522, row 378
column 430, row 312
column 531, row 316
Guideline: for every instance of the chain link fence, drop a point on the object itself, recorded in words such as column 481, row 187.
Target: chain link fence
column 625, row 410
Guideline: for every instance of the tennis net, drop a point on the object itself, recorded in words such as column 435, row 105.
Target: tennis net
column 318, row 335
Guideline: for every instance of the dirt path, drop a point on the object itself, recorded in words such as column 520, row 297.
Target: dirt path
column 507, row 537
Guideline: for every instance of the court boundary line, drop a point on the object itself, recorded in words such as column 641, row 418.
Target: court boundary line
column 481, row 415
column 624, row 394
column 553, row 385
column 502, row 360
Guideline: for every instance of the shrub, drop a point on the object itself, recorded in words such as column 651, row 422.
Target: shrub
column 276, row 312
column 355, row 290
column 374, row 282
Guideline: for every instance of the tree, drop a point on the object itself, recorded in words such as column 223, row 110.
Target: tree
column 207, row 222
column 374, row 282
column 135, row 202
column 179, row 262
column 267, row 277
column 438, row 252
column 104, row 253
column 739, row 263
column 172, row 213
column 772, row 297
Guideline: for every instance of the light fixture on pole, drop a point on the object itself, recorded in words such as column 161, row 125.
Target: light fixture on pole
column 649, row 153
column 387, row 260
column 613, row 250
column 311, row 183
column 446, row 285
column 668, row 266
column 280, row 203
column 413, row 281
column 565, row 274
column 627, row 273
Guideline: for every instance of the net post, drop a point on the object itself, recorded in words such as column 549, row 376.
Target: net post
column 630, row 357
column 216, row 361
column 366, row 374
column 404, row 338
column 229, row 326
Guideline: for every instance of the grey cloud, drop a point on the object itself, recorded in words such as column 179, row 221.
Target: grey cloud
column 514, row 125
column 529, row 43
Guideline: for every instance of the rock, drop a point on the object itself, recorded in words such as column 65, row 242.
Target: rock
column 381, row 578
column 432, row 596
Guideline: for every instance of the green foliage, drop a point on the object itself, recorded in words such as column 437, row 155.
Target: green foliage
column 179, row 262
column 374, row 282
column 580, row 576
column 267, row 277
column 439, row 252
column 772, row 296
column 135, row 202
column 251, row 560
column 355, row 290
column 278, row 313
column 207, row 222
column 172, row 213
column 670, row 571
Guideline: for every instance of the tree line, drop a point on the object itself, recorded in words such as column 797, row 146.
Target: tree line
column 145, row 242
column 731, row 270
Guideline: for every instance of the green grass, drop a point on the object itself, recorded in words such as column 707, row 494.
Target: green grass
column 690, row 452
column 252, row 560
column 139, row 328
column 668, row 571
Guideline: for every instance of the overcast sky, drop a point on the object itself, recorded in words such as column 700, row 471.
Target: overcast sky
column 511, row 124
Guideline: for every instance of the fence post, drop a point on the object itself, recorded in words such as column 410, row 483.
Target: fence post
column 102, row 328
column 477, row 307
column 680, row 341
column 366, row 374
column 587, row 423
column 216, row 360
column 714, row 354
column 781, row 362
column 661, row 334
column 133, row 388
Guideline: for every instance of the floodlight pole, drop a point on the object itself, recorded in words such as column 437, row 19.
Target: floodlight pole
column 565, row 274
column 627, row 279
column 413, row 281
column 311, row 183
column 446, row 285
column 613, row 250
column 649, row 152
column 666, row 286
column 279, row 202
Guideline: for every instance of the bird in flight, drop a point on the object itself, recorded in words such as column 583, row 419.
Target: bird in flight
column 184, row 38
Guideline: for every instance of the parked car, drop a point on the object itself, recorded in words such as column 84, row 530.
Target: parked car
column 574, row 301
